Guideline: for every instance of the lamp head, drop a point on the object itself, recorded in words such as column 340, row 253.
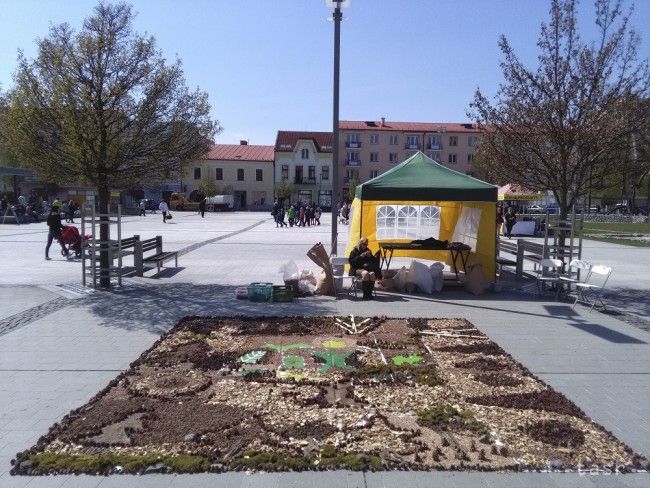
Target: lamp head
column 337, row 3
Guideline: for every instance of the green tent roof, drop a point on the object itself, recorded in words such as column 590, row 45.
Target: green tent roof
column 421, row 178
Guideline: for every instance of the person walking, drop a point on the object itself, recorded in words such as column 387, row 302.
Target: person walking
column 143, row 208
column 72, row 207
column 55, row 226
column 164, row 208
column 291, row 215
column 511, row 220
column 499, row 220
column 202, row 208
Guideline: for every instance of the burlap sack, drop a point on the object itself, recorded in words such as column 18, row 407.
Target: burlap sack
column 474, row 279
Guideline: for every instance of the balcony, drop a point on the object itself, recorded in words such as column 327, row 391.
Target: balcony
column 409, row 145
column 352, row 144
column 434, row 146
column 353, row 162
column 299, row 180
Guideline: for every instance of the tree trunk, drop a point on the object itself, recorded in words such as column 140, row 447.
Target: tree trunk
column 104, row 235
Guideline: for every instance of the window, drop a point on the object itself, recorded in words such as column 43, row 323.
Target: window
column 259, row 175
column 451, row 159
column 435, row 142
column 435, row 155
column 412, row 142
column 470, row 158
column 373, row 173
column 219, row 173
column 374, row 157
column 352, row 141
column 311, row 172
column 407, row 221
column 374, row 138
column 352, row 158
column 472, row 141
column 393, row 140
column 305, row 154
column 392, row 157
column 325, row 173
column 240, row 174
column 453, row 140
column 285, row 172
column 197, row 173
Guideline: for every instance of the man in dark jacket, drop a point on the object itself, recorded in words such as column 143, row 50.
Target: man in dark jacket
column 55, row 225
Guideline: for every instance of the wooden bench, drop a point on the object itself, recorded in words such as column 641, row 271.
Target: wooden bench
column 509, row 247
column 155, row 243
column 532, row 251
column 125, row 245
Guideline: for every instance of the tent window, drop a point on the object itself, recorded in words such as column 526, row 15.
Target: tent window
column 407, row 222
column 429, row 222
column 467, row 227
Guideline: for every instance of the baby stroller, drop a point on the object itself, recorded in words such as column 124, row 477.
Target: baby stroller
column 72, row 239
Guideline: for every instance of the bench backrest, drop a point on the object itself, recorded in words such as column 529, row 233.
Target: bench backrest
column 533, row 247
column 153, row 243
column 129, row 242
column 505, row 246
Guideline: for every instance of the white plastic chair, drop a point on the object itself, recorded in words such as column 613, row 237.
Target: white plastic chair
column 581, row 273
column 550, row 271
column 588, row 289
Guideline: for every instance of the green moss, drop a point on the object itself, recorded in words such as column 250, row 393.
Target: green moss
column 328, row 451
column 424, row 374
column 270, row 461
column 102, row 463
column 353, row 462
column 443, row 414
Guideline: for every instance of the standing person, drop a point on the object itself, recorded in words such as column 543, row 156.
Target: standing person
column 55, row 225
column 164, row 208
column 301, row 216
column 291, row 213
column 317, row 213
column 499, row 219
column 280, row 216
column 143, row 207
column 4, row 205
column 202, row 208
column 511, row 220
column 64, row 209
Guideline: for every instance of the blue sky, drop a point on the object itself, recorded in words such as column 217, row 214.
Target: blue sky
column 267, row 64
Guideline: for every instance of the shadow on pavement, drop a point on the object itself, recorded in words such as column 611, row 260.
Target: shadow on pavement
column 632, row 300
column 157, row 308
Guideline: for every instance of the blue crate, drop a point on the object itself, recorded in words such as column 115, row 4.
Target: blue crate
column 260, row 292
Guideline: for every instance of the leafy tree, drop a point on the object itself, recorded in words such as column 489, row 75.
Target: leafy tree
column 352, row 190
column 102, row 107
column 283, row 190
column 208, row 188
column 556, row 127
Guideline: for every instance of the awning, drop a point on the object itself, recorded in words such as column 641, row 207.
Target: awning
column 513, row 191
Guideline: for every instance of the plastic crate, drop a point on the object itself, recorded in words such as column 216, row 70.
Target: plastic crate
column 260, row 292
column 282, row 293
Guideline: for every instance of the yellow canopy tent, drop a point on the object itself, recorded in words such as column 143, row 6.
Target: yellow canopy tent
column 420, row 198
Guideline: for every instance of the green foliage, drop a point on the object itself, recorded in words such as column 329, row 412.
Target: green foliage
column 424, row 374
column 103, row 463
column 283, row 190
column 293, row 362
column 443, row 415
column 333, row 360
column 270, row 461
column 410, row 359
column 352, row 189
column 334, row 344
column 208, row 188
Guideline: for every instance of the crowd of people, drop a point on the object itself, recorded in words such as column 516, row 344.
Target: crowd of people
column 297, row 214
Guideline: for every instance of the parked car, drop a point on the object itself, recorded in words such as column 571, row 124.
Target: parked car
column 535, row 209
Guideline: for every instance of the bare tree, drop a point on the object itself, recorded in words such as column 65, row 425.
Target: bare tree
column 556, row 127
column 101, row 106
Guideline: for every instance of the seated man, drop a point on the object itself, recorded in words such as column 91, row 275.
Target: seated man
column 366, row 265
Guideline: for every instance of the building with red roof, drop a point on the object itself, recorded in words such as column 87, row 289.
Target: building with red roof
column 243, row 169
column 369, row 148
column 304, row 161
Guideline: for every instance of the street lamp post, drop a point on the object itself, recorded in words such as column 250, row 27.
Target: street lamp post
column 337, row 17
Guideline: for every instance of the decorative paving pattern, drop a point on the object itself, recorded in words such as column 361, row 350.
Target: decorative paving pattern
column 35, row 313
column 194, row 247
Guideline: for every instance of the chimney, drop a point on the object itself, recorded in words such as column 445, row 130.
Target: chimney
column 243, row 142
column 383, row 121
